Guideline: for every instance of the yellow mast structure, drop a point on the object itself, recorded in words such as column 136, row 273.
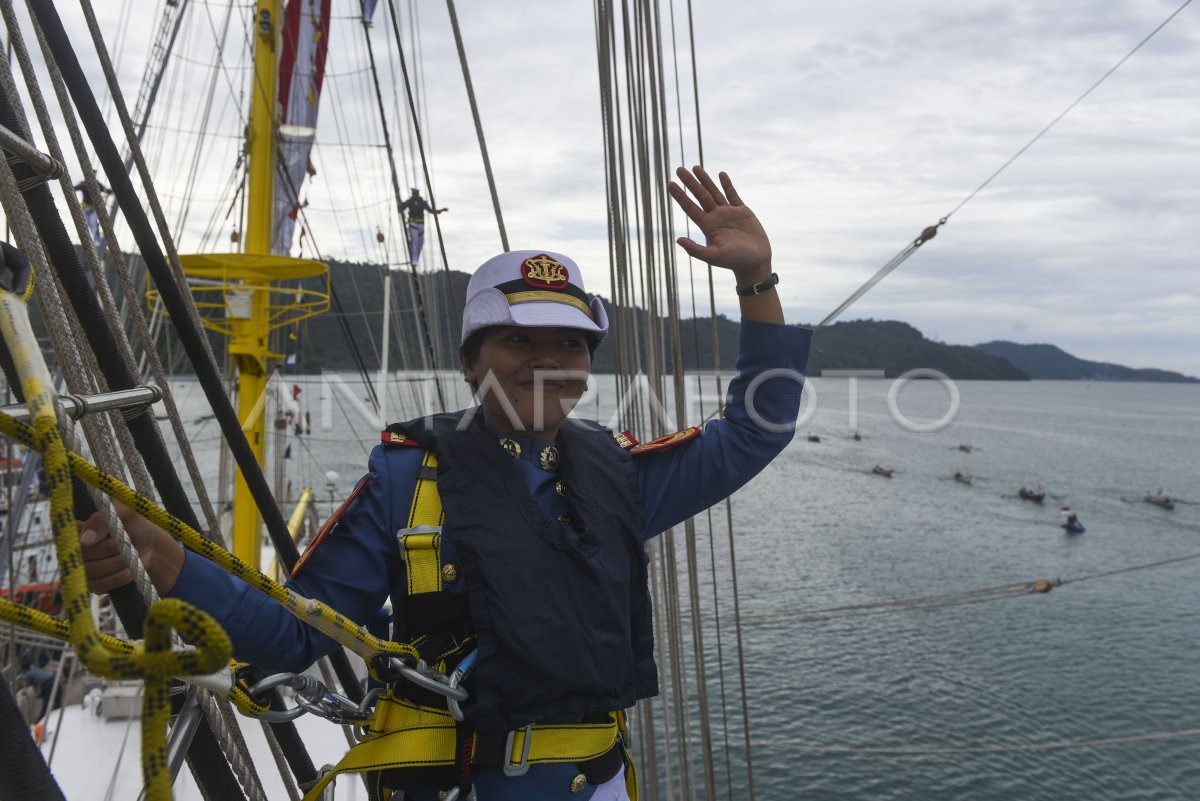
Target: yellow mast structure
column 242, row 295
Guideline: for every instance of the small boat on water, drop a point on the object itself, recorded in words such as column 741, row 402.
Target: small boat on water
column 1165, row 501
column 1070, row 521
column 962, row 478
column 813, row 438
column 857, row 436
column 880, row 470
column 1030, row 495
column 965, row 448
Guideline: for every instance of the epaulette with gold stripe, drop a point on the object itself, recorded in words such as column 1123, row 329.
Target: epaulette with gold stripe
column 392, row 438
column 666, row 441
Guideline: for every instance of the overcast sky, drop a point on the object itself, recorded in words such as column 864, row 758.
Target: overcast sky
column 848, row 126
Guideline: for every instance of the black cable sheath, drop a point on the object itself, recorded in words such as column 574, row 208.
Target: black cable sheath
column 25, row 773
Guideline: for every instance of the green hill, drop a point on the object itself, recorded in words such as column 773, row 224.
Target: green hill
column 1052, row 363
column 349, row 335
column 893, row 347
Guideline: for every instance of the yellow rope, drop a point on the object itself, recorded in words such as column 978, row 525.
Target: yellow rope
column 154, row 662
column 35, row 620
column 319, row 615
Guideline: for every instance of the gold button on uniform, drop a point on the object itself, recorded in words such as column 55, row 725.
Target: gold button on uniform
column 578, row 783
column 449, row 573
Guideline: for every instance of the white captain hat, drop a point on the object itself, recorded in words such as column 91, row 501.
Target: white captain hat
column 531, row 288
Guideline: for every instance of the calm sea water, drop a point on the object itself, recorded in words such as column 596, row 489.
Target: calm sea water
column 1098, row 658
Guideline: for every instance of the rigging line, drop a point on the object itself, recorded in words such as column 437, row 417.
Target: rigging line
column 205, row 114
column 194, row 133
column 396, row 194
column 487, row 164
column 716, row 356
column 351, row 165
column 1068, row 109
column 931, row 231
column 118, row 49
column 998, row 749
column 218, row 64
column 882, row 273
column 670, row 275
column 950, row 598
column 336, row 301
column 1119, row 571
column 999, row 592
column 418, row 50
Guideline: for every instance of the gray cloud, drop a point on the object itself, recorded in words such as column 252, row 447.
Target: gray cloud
column 848, row 127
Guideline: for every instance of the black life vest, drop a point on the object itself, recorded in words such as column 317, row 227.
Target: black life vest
column 561, row 609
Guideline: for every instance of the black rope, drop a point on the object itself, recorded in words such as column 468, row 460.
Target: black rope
column 25, row 773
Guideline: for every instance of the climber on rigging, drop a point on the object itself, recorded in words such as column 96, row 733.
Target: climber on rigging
column 414, row 210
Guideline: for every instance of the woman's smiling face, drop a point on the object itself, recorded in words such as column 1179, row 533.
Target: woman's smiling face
column 529, row 379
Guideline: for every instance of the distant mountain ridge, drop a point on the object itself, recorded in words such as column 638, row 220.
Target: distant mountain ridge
column 897, row 347
column 345, row 337
column 1049, row 362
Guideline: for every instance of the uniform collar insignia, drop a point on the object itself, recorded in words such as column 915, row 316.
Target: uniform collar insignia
column 548, row 458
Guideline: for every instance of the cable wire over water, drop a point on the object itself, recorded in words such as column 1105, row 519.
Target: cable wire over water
column 931, row 231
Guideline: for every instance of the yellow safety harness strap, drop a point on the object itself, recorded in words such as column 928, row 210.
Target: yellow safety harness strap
column 426, row 506
column 422, row 556
column 409, row 736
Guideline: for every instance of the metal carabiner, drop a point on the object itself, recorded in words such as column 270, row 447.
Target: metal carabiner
column 306, row 687
column 456, row 678
column 453, row 795
column 424, row 676
column 335, row 708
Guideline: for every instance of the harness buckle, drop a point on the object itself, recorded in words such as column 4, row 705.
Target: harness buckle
column 522, row 767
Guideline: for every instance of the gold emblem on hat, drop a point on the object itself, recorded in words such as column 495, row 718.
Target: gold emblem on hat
column 449, row 573
column 578, row 783
column 544, row 271
column 560, row 487
column 511, row 447
column 548, row 458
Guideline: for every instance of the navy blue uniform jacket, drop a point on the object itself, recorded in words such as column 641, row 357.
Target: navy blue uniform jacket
column 358, row 564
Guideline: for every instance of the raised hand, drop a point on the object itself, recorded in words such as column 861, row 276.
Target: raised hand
column 734, row 238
